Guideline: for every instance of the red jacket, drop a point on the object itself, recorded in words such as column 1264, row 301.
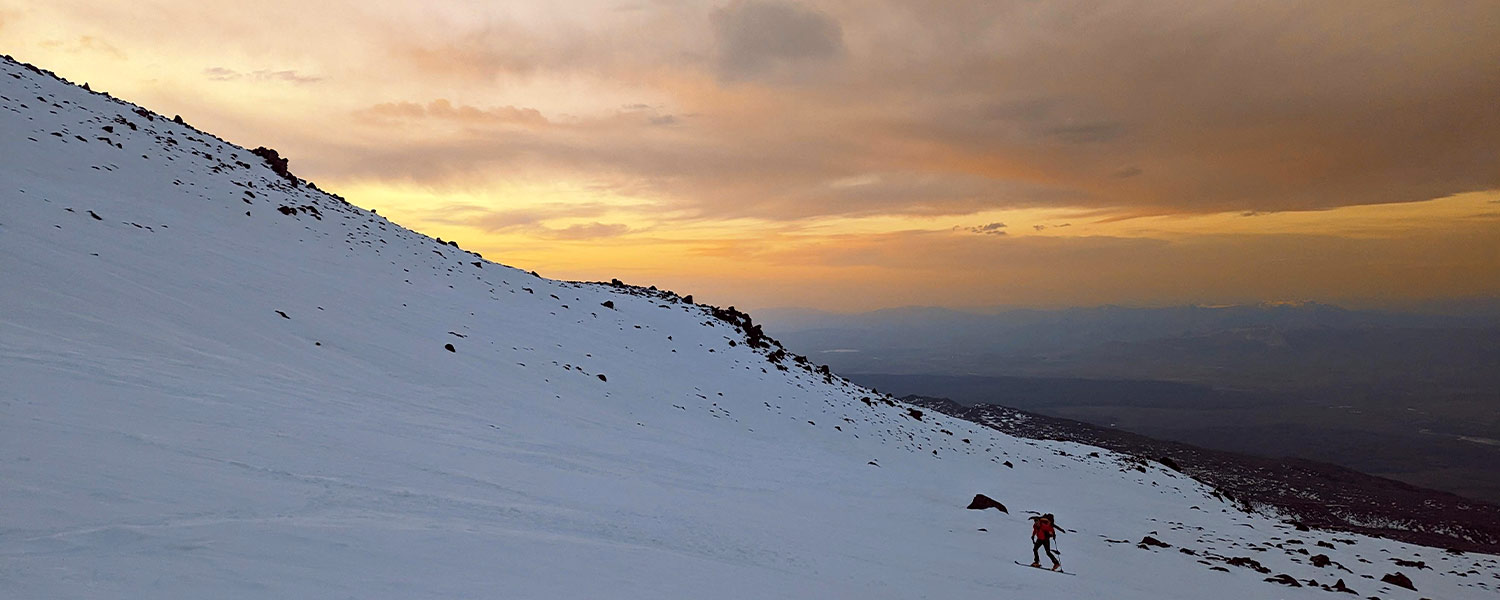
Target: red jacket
column 1042, row 531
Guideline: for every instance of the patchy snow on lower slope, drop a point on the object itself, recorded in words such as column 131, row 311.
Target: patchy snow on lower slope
column 220, row 382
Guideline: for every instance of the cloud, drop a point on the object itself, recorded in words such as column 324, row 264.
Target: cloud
column 590, row 231
column 752, row 108
column 1087, row 133
column 286, row 76
column 83, row 43
column 1073, row 103
column 761, row 38
column 445, row 110
column 503, row 49
column 492, row 220
column 990, row 229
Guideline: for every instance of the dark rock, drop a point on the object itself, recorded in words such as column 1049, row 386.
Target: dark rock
column 1321, row 561
column 1284, row 579
column 1007, row 463
column 1399, row 579
column 283, row 315
column 982, row 502
column 1415, row 564
column 1151, row 541
column 1170, row 464
column 608, row 304
column 1249, row 563
column 276, row 162
column 1338, row 586
column 450, row 348
column 602, row 377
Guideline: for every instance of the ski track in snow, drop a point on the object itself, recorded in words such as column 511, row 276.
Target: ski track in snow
column 201, row 403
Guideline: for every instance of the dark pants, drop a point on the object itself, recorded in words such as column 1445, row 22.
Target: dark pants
column 1045, row 545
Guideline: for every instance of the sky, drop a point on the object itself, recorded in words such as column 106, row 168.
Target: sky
column 853, row 155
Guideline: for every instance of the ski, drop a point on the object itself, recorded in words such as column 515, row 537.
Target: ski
column 1060, row 572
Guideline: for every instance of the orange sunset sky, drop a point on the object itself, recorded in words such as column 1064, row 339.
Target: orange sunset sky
column 851, row 155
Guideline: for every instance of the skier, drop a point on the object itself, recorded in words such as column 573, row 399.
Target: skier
column 1042, row 534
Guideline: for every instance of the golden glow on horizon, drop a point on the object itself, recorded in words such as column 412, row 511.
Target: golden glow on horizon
column 592, row 143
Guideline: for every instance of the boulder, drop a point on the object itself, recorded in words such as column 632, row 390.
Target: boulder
column 1399, row 579
column 982, row 502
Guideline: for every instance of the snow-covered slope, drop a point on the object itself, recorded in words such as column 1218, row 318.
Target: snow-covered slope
column 218, row 383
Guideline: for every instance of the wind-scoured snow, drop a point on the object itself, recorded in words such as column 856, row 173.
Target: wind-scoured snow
column 217, row 382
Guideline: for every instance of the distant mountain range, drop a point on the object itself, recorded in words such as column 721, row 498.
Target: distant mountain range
column 1265, row 346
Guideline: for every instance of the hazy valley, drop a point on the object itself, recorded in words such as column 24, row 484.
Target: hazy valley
column 1411, row 396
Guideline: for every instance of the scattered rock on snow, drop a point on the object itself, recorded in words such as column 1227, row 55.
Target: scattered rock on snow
column 276, row 162
column 1249, row 563
column 1149, row 541
column 1415, row 564
column 1338, row 586
column 1399, row 579
column 1284, row 579
column 982, row 502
